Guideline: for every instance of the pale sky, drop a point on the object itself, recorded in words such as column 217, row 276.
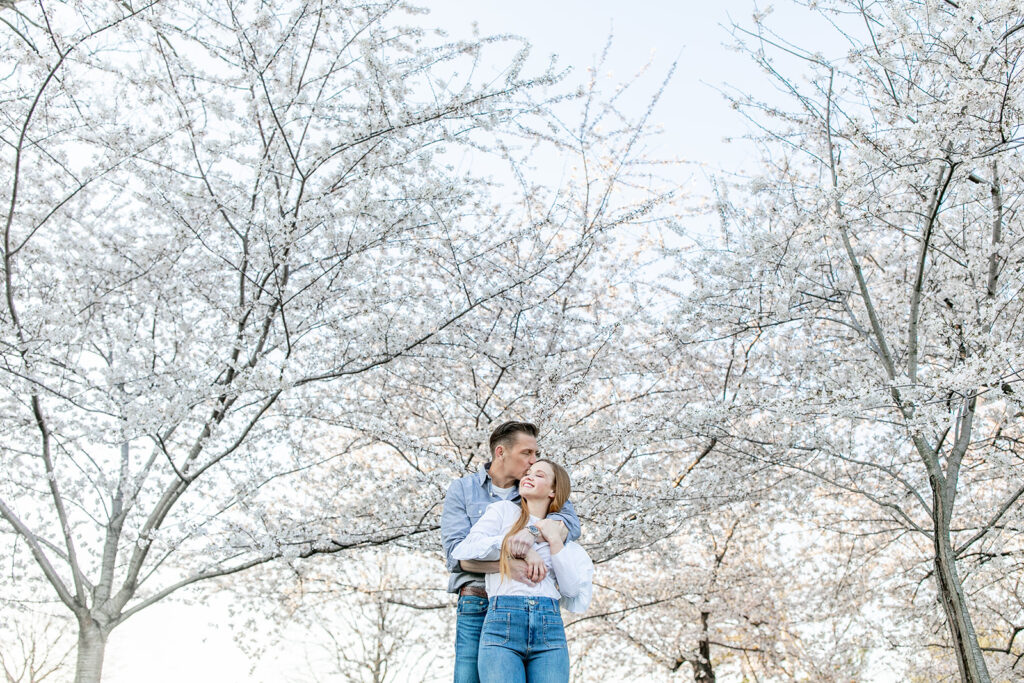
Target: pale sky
column 695, row 117
column 172, row 642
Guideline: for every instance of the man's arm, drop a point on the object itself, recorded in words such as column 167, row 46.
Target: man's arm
column 567, row 516
column 455, row 528
column 568, row 523
column 521, row 570
column 483, row 542
column 454, row 524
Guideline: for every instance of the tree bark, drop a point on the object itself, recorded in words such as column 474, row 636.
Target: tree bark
column 969, row 659
column 92, row 646
column 702, row 669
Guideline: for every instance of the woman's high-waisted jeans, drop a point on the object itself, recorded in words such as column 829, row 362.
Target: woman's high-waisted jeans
column 523, row 640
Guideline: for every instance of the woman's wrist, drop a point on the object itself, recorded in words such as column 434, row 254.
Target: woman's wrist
column 555, row 544
column 552, row 534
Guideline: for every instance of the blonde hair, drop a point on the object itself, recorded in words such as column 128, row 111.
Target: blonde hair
column 561, row 487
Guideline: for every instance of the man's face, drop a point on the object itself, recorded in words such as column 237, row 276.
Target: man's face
column 519, row 455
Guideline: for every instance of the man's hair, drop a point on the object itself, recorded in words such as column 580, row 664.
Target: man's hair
column 505, row 433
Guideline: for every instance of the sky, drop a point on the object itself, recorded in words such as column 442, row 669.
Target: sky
column 699, row 125
column 693, row 115
column 691, row 111
column 174, row 642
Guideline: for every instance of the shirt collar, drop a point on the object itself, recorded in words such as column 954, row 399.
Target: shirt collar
column 484, row 475
column 485, row 481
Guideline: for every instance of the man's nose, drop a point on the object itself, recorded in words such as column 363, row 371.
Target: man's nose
column 533, row 459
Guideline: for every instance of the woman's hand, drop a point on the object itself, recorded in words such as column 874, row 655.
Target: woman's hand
column 536, row 570
column 551, row 530
column 520, row 571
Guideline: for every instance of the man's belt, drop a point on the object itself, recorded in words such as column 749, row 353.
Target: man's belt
column 473, row 590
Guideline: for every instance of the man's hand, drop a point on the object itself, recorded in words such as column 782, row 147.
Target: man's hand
column 520, row 544
column 521, row 571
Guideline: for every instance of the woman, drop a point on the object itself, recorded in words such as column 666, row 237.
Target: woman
column 523, row 638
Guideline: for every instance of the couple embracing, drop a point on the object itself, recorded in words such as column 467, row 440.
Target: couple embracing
column 514, row 563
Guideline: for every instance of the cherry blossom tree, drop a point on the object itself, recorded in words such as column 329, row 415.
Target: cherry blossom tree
column 876, row 260
column 229, row 229
column 35, row 647
column 379, row 617
column 745, row 579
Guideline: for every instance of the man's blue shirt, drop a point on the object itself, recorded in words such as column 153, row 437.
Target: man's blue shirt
column 464, row 504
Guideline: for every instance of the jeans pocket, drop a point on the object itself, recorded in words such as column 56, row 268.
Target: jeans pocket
column 554, row 631
column 497, row 628
column 471, row 604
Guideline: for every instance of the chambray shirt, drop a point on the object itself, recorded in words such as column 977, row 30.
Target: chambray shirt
column 464, row 504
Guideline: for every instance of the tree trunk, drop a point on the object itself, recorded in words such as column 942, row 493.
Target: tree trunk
column 92, row 645
column 702, row 670
column 951, row 594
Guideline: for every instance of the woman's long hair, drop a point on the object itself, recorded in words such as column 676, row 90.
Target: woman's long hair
column 561, row 488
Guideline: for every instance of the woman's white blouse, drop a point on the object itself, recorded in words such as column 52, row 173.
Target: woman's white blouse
column 570, row 576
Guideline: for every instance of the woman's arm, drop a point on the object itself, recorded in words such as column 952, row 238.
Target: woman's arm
column 552, row 531
column 567, row 516
column 574, row 575
column 571, row 564
column 483, row 542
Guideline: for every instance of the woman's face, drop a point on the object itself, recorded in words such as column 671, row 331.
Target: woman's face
column 539, row 482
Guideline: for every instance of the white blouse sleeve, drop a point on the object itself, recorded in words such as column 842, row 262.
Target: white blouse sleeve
column 484, row 540
column 574, row 573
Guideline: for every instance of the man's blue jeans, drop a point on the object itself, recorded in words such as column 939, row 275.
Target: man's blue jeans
column 523, row 639
column 470, row 620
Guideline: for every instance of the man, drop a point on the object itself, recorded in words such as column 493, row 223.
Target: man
column 513, row 447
